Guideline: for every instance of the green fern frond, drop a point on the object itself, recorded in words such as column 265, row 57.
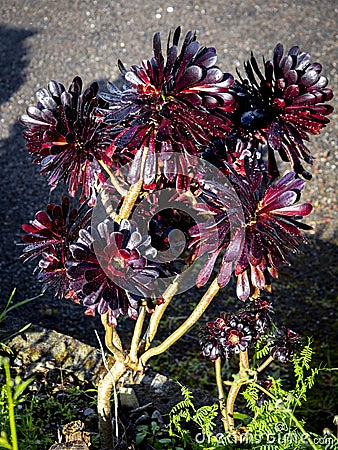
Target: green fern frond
column 262, row 348
column 204, row 418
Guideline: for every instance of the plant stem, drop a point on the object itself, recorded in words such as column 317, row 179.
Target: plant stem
column 113, row 179
column 235, row 388
column 221, row 397
column 265, row 364
column 129, row 201
column 14, row 438
column 137, row 334
column 105, row 387
column 191, row 320
column 107, row 203
column 112, row 339
column 158, row 313
column 133, row 193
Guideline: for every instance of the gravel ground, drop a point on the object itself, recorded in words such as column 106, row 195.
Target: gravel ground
column 43, row 39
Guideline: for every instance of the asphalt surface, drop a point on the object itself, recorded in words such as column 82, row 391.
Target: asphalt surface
column 43, row 39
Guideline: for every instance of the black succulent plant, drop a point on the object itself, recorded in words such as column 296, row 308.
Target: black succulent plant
column 173, row 105
column 282, row 105
column 66, row 138
column 49, row 237
column 109, row 270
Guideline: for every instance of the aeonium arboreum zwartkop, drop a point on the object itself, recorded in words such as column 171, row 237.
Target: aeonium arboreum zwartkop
column 179, row 181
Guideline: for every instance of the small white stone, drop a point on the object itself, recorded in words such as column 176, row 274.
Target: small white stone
column 158, row 16
column 170, row 9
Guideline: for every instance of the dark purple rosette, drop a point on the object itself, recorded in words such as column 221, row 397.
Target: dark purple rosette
column 65, row 136
column 283, row 105
column 284, row 344
column 49, row 237
column 227, row 335
column 258, row 313
column 174, row 104
column 270, row 230
column 110, row 271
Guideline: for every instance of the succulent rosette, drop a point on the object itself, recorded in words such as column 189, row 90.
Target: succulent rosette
column 258, row 313
column 177, row 104
column 49, row 237
column 110, row 272
column 283, row 105
column 284, row 344
column 255, row 248
column 227, row 335
column 65, row 136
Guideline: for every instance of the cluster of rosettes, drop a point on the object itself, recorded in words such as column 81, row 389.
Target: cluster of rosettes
column 233, row 333
column 106, row 268
column 179, row 103
column 230, row 334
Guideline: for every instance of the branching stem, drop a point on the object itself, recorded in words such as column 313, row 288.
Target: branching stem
column 113, row 179
column 158, row 313
column 137, row 334
column 112, row 339
column 191, row 320
column 235, row 388
column 221, row 397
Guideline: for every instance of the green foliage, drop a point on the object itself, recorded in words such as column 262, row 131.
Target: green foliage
column 185, row 411
column 4, row 336
column 262, row 347
column 156, row 436
column 273, row 415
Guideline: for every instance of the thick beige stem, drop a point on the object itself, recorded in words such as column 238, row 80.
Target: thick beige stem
column 221, row 397
column 158, row 313
column 112, row 340
column 235, row 388
column 133, row 193
column 265, row 364
column 192, row 319
column 113, row 179
column 137, row 334
column 105, row 387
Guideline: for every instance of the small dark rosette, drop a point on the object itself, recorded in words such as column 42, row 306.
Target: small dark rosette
column 283, row 105
column 49, row 237
column 233, row 333
column 225, row 336
column 284, row 344
column 255, row 248
column 177, row 104
column 258, row 313
column 65, row 137
column 110, row 271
